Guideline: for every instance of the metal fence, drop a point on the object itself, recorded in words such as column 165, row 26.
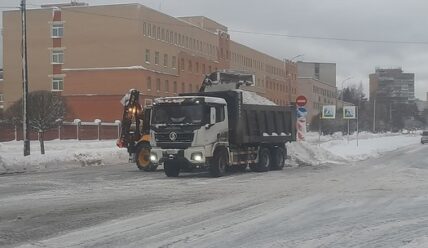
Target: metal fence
column 77, row 129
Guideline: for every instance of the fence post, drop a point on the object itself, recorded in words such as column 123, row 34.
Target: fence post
column 119, row 124
column 16, row 133
column 98, row 122
column 77, row 122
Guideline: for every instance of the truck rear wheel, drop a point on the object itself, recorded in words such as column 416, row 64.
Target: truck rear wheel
column 264, row 161
column 171, row 168
column 218, row 164
column 278, row 158
column 142, row 158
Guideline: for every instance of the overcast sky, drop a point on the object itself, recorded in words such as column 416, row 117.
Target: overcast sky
column 391, row 20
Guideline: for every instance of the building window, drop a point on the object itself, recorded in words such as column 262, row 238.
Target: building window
column 174, row 62
column 166, row 86
column 158, row 34
column 57, row 84
column 57, row 57
column 165, row 60
column 158, row 84
column 156, row 58
column 209, row 69
column 149, row 83
column 149, row 29
column 1, row 98
column 182, row 64
column 154, row 31
column 57, row 30
column 147, row 56
column 175, row 86
column 163, row 34
column 183, row 88
column 190, row 88
column 145, row 29
column 317, row 71
column 203, row 68
column 190, row 66
column 197, row 67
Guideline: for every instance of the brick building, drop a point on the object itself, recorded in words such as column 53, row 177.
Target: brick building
column 93, row 55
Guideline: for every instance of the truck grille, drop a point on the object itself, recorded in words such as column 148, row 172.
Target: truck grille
column 181, row 137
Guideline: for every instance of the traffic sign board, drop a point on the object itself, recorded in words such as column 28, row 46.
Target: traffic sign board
column 301, row 101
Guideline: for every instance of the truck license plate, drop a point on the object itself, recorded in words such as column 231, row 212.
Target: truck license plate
column 171, row 151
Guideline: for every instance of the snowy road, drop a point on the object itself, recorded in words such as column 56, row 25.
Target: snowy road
column 376, row 203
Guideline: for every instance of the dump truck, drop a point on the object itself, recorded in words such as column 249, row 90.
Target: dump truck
column 135, row 131
column 220, row 128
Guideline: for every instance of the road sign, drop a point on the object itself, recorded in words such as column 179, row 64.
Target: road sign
column 329, row 112
column 349, row 112
column 301, row 101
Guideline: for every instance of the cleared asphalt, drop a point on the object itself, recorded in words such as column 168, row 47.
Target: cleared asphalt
column 375, row 203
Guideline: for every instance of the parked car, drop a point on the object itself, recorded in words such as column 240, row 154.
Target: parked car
column 424, row 138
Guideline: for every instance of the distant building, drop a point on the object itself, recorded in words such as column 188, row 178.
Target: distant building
column 392, row 86
column 317, row 82
column 323, row 72
column 92, row 55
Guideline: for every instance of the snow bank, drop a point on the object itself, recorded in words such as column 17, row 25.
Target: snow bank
column 421, row 242
column 335, row 148
column 72, row 153
column 59, row 155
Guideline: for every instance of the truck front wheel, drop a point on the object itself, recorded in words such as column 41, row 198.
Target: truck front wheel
column 171, row 168
column 218, row 164
column 142, row 158
column 264, row 161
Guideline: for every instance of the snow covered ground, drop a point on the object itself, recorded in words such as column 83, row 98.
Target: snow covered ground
column 314, row 151
column 60, row 154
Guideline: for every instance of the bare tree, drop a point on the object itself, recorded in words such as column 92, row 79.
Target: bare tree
column 44, row 110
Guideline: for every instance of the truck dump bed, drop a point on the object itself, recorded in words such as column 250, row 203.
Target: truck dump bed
column 253, row 123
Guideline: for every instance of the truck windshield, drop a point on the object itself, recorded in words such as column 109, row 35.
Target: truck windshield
column 177, row 114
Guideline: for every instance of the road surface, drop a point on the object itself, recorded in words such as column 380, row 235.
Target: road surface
column 376, row 203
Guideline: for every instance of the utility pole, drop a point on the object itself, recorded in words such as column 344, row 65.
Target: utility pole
column 374, row 115
column 25, row 122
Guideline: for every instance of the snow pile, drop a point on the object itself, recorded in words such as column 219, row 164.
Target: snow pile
column 421, row 242
column 335, row 148
column 59, row 155
column 249, row 97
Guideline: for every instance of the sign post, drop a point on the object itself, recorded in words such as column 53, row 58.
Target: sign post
column 302, row 113
column 350, row 113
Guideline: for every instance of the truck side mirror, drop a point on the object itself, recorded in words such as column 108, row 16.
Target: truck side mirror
column 212, row 116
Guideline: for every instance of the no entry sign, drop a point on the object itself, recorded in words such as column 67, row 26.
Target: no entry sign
column 301, row 101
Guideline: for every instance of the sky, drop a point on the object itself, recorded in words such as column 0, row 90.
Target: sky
column 380, row 20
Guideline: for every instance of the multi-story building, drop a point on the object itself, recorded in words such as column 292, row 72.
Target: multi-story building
column 93, row 55
column 317, row 82
column 392, row 86
column 323, row 72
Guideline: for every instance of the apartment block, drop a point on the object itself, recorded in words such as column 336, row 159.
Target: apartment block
column 93, row 55
column 392, row 86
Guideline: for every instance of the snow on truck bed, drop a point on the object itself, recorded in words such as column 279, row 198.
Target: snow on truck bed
column 249, row 97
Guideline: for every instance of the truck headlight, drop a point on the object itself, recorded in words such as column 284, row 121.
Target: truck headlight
column 197, row 156
column 153, row 157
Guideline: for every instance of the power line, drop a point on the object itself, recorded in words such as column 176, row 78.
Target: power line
column 331, row 38
column 309, row 37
